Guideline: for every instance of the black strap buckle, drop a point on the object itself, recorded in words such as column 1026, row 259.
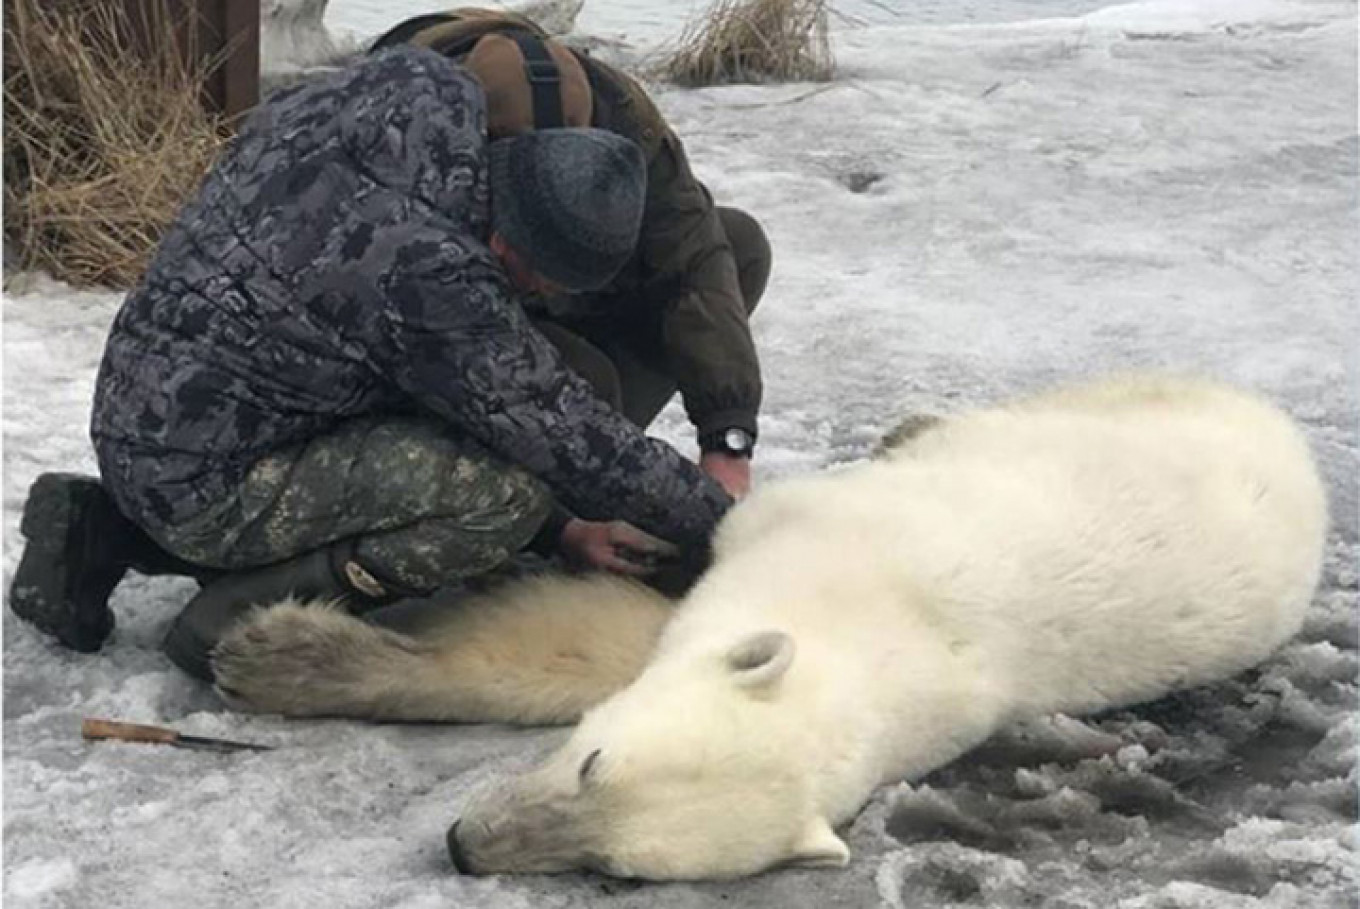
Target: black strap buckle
column 540, row 72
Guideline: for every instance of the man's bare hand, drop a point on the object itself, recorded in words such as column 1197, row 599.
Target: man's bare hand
column 615, row 546
column 733, row 474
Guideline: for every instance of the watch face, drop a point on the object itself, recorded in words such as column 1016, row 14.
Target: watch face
column 737, row 441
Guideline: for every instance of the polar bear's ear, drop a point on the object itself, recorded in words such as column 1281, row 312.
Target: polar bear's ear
column 761, row 659
column 820, row 847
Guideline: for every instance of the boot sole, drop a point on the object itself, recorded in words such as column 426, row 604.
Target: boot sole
column 42, row 591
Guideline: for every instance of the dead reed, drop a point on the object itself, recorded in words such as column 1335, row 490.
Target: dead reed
column 754, row 41
column 104, row 140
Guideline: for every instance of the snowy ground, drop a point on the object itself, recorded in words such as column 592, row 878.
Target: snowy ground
column 968, row 211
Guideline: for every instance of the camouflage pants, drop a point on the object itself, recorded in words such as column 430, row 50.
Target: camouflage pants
column 424, row 506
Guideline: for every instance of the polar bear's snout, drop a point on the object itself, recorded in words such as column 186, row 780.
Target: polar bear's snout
column 531, row 824
column 456, row 854
column 465, row 845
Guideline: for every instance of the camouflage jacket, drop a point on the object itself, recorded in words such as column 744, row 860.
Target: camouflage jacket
column 334, row 264
column 681, row 247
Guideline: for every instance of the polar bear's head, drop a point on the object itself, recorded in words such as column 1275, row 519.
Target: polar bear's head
column 694, row 771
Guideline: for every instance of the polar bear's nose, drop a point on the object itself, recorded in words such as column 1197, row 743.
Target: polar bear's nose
column 456, row 849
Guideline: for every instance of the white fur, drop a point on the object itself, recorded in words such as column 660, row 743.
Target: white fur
column 536, row 651
column 1088, row 548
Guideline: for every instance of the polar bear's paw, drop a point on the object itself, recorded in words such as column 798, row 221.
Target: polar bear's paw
column 303, row 660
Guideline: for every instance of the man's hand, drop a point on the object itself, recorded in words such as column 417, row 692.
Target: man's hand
column 732, row 473
column 614, row 546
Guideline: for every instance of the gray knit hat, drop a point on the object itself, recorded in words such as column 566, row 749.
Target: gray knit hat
column 569, row 201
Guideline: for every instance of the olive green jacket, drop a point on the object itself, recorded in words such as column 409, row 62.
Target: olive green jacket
column 681, row 247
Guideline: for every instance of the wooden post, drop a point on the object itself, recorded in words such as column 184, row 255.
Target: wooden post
column 230, row 30
column 225, row 33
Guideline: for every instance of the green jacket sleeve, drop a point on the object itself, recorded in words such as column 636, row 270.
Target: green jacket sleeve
column 683, row 250
column 705, row 333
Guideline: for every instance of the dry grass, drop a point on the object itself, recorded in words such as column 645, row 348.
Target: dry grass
column 754, row 41
column 102, row 145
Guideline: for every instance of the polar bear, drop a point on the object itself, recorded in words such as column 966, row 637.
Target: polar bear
column 1087, row 548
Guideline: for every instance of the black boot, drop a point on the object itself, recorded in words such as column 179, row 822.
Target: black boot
column 330, row 573
column 79, row 547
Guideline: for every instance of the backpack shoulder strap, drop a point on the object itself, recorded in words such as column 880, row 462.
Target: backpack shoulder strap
column 545, row 79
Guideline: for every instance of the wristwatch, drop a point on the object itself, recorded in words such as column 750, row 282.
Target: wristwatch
column 733, row 441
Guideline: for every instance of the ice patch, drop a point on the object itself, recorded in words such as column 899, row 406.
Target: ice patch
column 948, row 874
column 1170, row 17
column 34, row 879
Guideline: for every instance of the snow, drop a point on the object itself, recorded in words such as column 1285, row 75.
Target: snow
column 991, row 196
column 293, row 37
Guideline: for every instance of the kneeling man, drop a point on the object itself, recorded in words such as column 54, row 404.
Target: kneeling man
column 325, row 384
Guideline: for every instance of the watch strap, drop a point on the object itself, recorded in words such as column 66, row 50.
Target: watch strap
column 716, row 441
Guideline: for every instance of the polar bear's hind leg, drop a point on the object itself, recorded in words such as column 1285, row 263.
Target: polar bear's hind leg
column 540, row 651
